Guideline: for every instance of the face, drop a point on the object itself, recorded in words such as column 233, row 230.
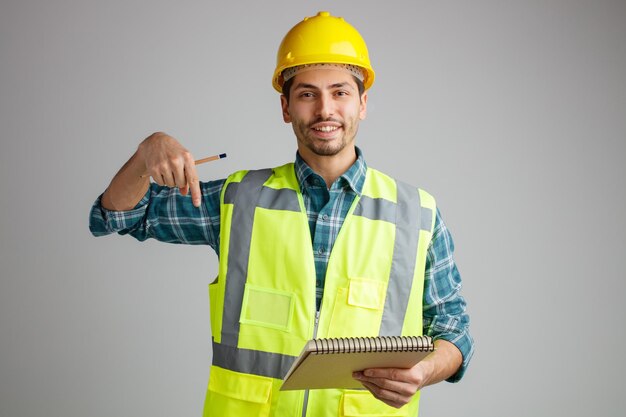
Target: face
column 324, row 109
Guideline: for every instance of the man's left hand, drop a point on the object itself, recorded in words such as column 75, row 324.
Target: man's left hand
column 394, row 386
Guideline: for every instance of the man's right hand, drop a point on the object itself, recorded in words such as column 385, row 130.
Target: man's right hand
column 170, row 164
column 161, row 157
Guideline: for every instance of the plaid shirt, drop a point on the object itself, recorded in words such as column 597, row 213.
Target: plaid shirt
column 164, row 214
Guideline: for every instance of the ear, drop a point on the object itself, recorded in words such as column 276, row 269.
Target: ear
column 285, row 106
column 363, row 106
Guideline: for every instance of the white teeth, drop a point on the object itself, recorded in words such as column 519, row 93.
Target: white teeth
column 326, row 128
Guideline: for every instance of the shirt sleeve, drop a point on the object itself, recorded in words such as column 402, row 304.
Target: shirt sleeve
column 166, row 215
column 444, row 310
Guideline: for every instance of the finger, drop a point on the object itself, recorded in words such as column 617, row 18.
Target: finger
column 394, row 374
column 154, row 172
column 405, row 388
column 388, row 397
column 388, row 375
column 163, row 174
column 192, row 182
column 157, row 177
column 179, row 175
column 168, row 179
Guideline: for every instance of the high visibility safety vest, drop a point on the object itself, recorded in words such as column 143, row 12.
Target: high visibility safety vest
column 263, row 307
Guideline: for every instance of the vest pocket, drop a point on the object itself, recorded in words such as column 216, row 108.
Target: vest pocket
column 366, row 293
column 267, row 307
column 235, row 394
column 358, row 308
column 363, row 404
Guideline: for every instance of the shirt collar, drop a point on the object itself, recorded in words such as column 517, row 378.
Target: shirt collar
column 354, row 177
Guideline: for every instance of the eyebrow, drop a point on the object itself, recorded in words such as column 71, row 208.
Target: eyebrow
column 314, row 87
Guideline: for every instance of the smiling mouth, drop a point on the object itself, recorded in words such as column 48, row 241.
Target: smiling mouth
column 326, row 129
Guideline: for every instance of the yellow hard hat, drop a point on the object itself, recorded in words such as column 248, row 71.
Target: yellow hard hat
column 322, row 39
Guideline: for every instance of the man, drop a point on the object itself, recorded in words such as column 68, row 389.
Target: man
column 323, row 247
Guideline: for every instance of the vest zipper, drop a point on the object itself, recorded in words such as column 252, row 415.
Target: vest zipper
column 306, row 392
column 317, row 322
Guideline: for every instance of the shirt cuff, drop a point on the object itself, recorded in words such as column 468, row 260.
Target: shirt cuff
column 465, row 344
column 104, row 222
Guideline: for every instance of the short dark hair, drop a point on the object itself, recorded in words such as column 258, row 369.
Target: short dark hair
column 289, row 83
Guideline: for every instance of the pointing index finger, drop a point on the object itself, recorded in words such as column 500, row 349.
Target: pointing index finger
column 192, row 177
column 193, row 184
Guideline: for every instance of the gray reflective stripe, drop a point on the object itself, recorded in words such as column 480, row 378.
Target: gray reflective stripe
column 230, row 193
column 270, row 198
column 376, row 209
column 281, row 199
column 247, row 361
column 426, row 219
column 248, row 193
column 385, row 210
column 403, row 262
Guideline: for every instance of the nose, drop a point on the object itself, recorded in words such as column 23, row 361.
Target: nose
column 325, row 106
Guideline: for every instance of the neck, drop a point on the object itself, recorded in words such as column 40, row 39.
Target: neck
column 329, row 167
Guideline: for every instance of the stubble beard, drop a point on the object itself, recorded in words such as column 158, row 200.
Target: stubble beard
column 321, row 147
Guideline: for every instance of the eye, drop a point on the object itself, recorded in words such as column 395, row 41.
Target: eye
column 342, row 93
column 306, row 94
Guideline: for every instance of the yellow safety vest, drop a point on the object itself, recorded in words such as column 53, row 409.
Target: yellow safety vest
column 263, row 303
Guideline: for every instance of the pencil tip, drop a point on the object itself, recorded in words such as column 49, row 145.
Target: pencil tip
column 222, row 155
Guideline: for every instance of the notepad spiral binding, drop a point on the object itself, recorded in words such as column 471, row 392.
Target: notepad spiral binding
column 374, row 344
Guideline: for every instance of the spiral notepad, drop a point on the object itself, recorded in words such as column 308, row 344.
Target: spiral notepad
column 329, row 363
